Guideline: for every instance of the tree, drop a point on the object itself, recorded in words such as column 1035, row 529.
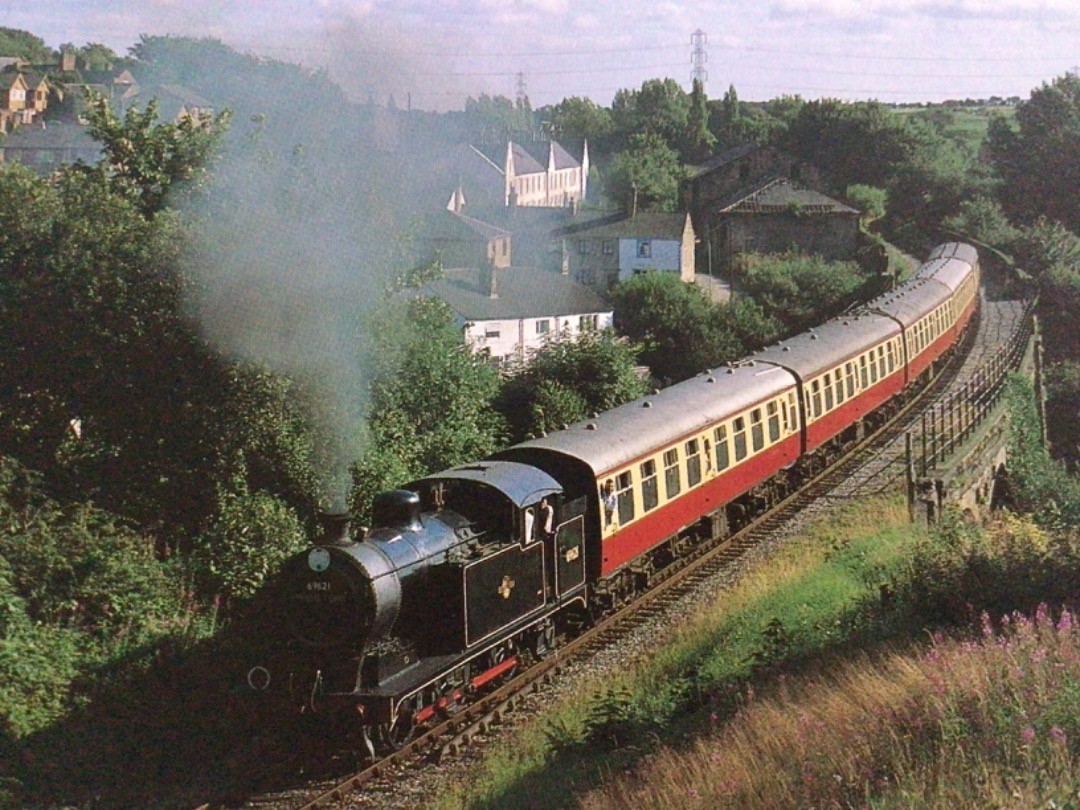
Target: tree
column 431, row 405
column 677, row 326
column 569, row 378
column 146, row 160
column 651, row 170
column 800, row 291
column 700, row 142
column 32, row 48
column 497, row 116
column 1039, row 160
column 578, row 117
column 661, row 107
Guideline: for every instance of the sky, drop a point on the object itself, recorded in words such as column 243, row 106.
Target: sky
column 432, row 54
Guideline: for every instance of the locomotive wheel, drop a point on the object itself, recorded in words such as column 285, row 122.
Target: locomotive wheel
column 394, row 736
column 544, row 643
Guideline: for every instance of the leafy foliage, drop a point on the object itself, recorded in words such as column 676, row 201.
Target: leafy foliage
column 800, row 291
column 680, row 330
column 147, row 160
column 650, row 169
column 250, row 535
column 431, row 407
column 568, row 379
column 1039, row 160
column 32, row 48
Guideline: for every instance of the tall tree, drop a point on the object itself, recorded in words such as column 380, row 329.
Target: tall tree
column 700, row 142
column 649, row 169
column 147, row 160
column 1039, row 160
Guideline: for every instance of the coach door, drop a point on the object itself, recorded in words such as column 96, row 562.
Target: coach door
column 570, row 555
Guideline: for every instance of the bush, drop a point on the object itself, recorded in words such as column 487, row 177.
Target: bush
column 252, row 533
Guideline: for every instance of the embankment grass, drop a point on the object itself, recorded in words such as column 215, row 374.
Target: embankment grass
column 991, row 722
column 814, row 596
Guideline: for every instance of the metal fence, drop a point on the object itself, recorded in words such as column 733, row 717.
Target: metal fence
column 950, row 421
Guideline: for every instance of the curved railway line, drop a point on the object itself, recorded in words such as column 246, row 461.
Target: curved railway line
column 873, row 465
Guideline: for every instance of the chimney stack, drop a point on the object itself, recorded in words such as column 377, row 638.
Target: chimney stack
column 631, row 205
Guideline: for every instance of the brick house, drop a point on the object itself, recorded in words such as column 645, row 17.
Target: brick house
column 778, row 216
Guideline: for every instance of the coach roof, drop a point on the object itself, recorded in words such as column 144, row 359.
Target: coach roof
column 637, row 429
column 827, row 346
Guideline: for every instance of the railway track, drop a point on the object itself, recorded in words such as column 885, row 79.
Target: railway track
column 873, row 465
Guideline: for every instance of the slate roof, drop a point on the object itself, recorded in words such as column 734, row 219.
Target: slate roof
column 523, row 293
column 54, row 135
column 646, row 224
column 779, row 194
column 724, row 158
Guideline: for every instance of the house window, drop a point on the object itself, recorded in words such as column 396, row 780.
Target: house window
column 671, row 473
column 582, row 246
column 543, row 326
column 588, row 323
column 644, row 248
column 609, row 247
column 492, row 331
column 650, row 493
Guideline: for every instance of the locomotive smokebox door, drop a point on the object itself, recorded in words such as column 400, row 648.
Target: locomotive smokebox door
column 503, row 588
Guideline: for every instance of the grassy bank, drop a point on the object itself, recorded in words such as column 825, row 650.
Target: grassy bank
column 858, row 586
column 819, row 594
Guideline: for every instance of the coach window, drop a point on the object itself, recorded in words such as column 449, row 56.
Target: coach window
column 849, row 369
column 650, row 488
column 828, row 392
column 757, row 430
column 720, row 442
column 672, row 486
column 864, row 380
column 815, row 397
column 773, row 412
column 838, row 389
column 890, row 355
column 693, row 463
column 873, row 367
column 624, row 489
column 738, row 431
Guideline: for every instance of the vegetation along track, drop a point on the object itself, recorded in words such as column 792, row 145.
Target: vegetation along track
column 873, row 464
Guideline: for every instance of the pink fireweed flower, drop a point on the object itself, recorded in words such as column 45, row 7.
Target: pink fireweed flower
column 1027, row 735
column 1058, row 735
column 1065, row 622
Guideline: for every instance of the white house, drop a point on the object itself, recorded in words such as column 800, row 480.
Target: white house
column 505, row 314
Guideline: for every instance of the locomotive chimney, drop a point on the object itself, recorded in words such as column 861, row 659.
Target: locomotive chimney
column 335, row 528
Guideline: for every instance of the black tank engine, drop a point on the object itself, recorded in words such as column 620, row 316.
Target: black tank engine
column 429, row 598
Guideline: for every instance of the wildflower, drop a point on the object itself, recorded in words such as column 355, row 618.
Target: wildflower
column 987, row 625
column 1027, row 735
column 693, row 794
column 1058, row 734
column 1041, row 615
column 1065, row 622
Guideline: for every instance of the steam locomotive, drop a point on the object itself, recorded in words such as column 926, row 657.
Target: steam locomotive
column 473, row 570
